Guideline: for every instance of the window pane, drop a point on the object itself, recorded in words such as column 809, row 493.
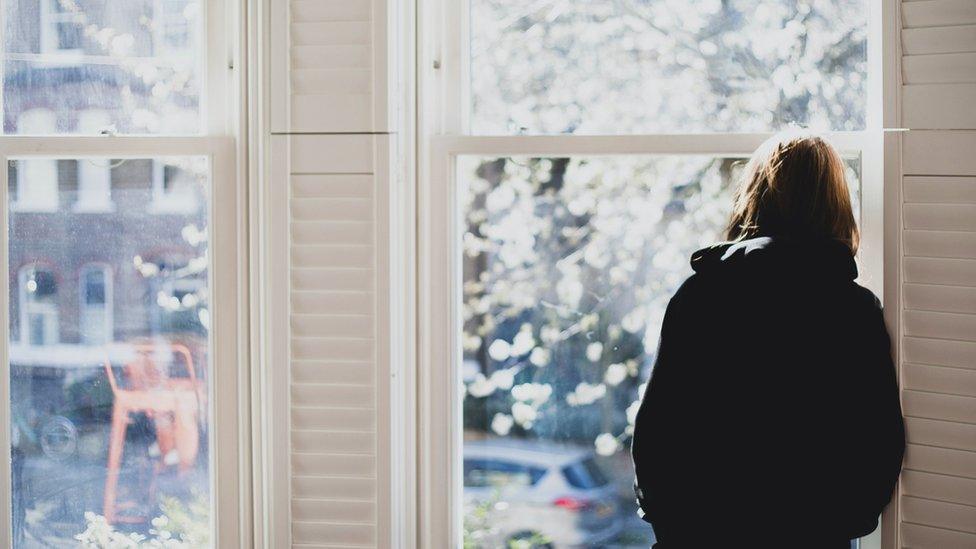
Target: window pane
column 93, row 66
column 568, row 265
column 109, row 360
column 648, row 66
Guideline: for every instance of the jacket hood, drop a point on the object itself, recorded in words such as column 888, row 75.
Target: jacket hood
column 777, row 254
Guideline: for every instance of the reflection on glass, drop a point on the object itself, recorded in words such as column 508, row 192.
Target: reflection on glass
column 109, row 357
column 646, row 66
column 97, row 66
column 568, row 265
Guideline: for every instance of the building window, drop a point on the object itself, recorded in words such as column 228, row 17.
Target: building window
column 95, row 293
column 37, row 178
column 62, row 27
column 94, row 178
column 579, row 154
column 173, row 25
column 39, row 306
column 175, row 188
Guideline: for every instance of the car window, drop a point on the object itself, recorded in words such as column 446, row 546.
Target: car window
column 585, row 474
column 481, row 473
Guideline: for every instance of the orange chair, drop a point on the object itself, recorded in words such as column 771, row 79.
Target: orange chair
column 173, row 403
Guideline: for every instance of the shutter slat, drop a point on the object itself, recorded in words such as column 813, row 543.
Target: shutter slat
column 340, row 372
column 331, row 442
column 331, row 33
column 939, row 379
column 330, row 10
column 931, row 153
column 944, row 434
column 331, row 279
column 331, row 154
column 345, row 396
column 349, row 232
column 312, row 82
column 333, row 511
column 331, row 209
column 939, row 487
column 952, row 272
column 332, row 186
column 957, row 190
column 940, row 325
column 940, row 217
column 332, row 255
column 936, row 13
column 305, row 465
column 923, row 297
column 915, row 536
column 941, row 352
column 939, row 406
column 334, row 325
column 357, row 303
column 954, row 39
column 334, row 419
column 941, row 460
column 311, row 348
column 940, row 68
column 360, row 57
column 939, row 106
column 322, row 534
column 939, row 514
column 333, row 488
column 331, row 112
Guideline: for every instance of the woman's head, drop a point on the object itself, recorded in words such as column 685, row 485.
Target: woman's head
column 794, row 185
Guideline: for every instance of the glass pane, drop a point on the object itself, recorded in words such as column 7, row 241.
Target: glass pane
column 97, row 66
column 568, row 265
column 649, row 66
column 109, row 357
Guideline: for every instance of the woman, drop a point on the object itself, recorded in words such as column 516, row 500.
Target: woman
column 772, row 415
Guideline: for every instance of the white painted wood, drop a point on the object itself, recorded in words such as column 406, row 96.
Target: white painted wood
column 308, row 510
column 331, row 154
column 937, row 13
column 939, row 379
column 946, row 190
column 944, row 352
column 939, row 106
column 939, row 406
column 940, row 217
column 952, row 272
column 952, row 39
column 952, row 299
column 944, row 244
column 939, row 487
column 952, row 516
column 324, row 534
column 939, row 68
column 943, row 434
column 960, row 463
column 917, row 536
column 939, row 153
column 330, row 82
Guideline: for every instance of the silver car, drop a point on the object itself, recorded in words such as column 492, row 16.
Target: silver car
column 536, row 494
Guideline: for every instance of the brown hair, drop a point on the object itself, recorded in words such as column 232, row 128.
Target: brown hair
column 794, row 185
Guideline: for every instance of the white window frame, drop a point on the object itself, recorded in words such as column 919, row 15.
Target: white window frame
column 108, row 281
column 442, row 122
column 221, row 106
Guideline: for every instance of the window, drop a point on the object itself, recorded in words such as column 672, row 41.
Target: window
column 172, row 188
column 122, row 324
column 39, row 306
column 576, row 154
column 61, row 26
column 95, row 293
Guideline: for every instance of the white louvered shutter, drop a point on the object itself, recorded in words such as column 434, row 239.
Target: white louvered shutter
column 938, row 273
column 329, row 315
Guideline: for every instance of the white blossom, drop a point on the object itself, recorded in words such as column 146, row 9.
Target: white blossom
column 606, row 444
column 615, row 374
column 501, row 424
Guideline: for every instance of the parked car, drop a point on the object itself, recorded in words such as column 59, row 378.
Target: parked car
column 543, row 494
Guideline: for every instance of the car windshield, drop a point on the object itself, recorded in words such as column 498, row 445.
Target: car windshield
column 482, row 473
column 585, row 474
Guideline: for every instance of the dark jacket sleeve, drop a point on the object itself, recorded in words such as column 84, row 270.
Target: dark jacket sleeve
column 656, row 425
column 882, row 430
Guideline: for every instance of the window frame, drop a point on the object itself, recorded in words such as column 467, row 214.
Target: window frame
column 221, row 108
column 442, row 136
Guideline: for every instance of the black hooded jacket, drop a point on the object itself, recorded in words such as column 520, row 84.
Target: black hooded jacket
column 772, row 414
